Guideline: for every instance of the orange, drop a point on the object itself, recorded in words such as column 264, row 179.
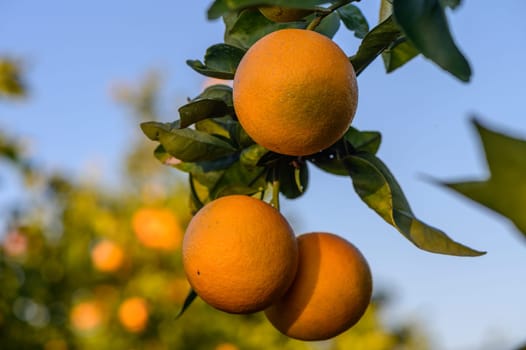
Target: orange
column 133, row 314
column 330, row 293
column 283, row 14
column 295, row 92
column 107, row 256
column 226, row 346
column 157, row 228
column 239, row 254
column 86, row 316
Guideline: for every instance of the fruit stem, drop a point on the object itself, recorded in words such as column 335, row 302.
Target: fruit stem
column 275, row 189
column 322, row 13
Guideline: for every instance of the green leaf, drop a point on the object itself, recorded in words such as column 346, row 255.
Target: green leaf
column 378, row 188
column 374, row 43
column 187, row 302
column 239, row 179
column 251, row 156
column 363, row 141
column 354, row 141
column 221, row 61
column 220, row 7
column 399, row 54
column 328, row 26
column 293, row 178
column 213, row 127
column 505, row 190
column 202, row 109
column 353, row 18
column 247, row 27
column 218, row 92
column 187, row 145
column 425, row 25
column 199, row 194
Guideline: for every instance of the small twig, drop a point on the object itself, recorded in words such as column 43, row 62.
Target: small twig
column 275, row 188
column 321, row 13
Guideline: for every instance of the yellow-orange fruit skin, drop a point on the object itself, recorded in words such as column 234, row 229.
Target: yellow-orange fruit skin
column 330, row 293
column 295, row 92
column 239, row 254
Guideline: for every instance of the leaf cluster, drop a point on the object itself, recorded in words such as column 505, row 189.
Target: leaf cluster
column 210, row 145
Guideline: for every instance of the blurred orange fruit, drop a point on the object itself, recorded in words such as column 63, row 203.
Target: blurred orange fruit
column 239, row 254
column 157, row 228
column 330, row 293
column 295, row 92
column 133, row 314
column 226, row 346
column 86, row 315
column 107, row 256
column 15, row 243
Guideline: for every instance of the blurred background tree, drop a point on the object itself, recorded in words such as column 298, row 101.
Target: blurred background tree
column 87, row 267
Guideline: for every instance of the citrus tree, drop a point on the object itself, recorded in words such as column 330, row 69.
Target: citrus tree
column 83, row 266
column 290, row 106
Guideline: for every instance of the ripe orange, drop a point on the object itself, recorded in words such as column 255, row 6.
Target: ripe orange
column 330, row 293
column 239, row 254
column 283, row 14
column 107, row 256
column 295, row 92
column 157, row 228
column 133, row 314
column 86, row 315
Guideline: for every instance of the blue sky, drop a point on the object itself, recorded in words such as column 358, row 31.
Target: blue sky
column 75, row 52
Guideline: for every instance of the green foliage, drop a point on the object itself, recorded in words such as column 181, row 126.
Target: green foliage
column 221, row 61
column 425, row 25
column 11, row 83
column 377, row 187
column 505, row 189
column 354, row 20
column 221, row 159
column 378, row 40
column 222, row 7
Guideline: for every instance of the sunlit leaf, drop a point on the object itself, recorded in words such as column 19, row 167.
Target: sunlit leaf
column 505, row 190
column 200, row 109
column 218, row 92
column 221, row 61
column 220, row 7
column 424, row 23
column 374, row 43
column 251, row 156
column 187, row 145
column 378, row 188
column 239, row 179
column 247, row 27
column 353, row 18
column 399, row 54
